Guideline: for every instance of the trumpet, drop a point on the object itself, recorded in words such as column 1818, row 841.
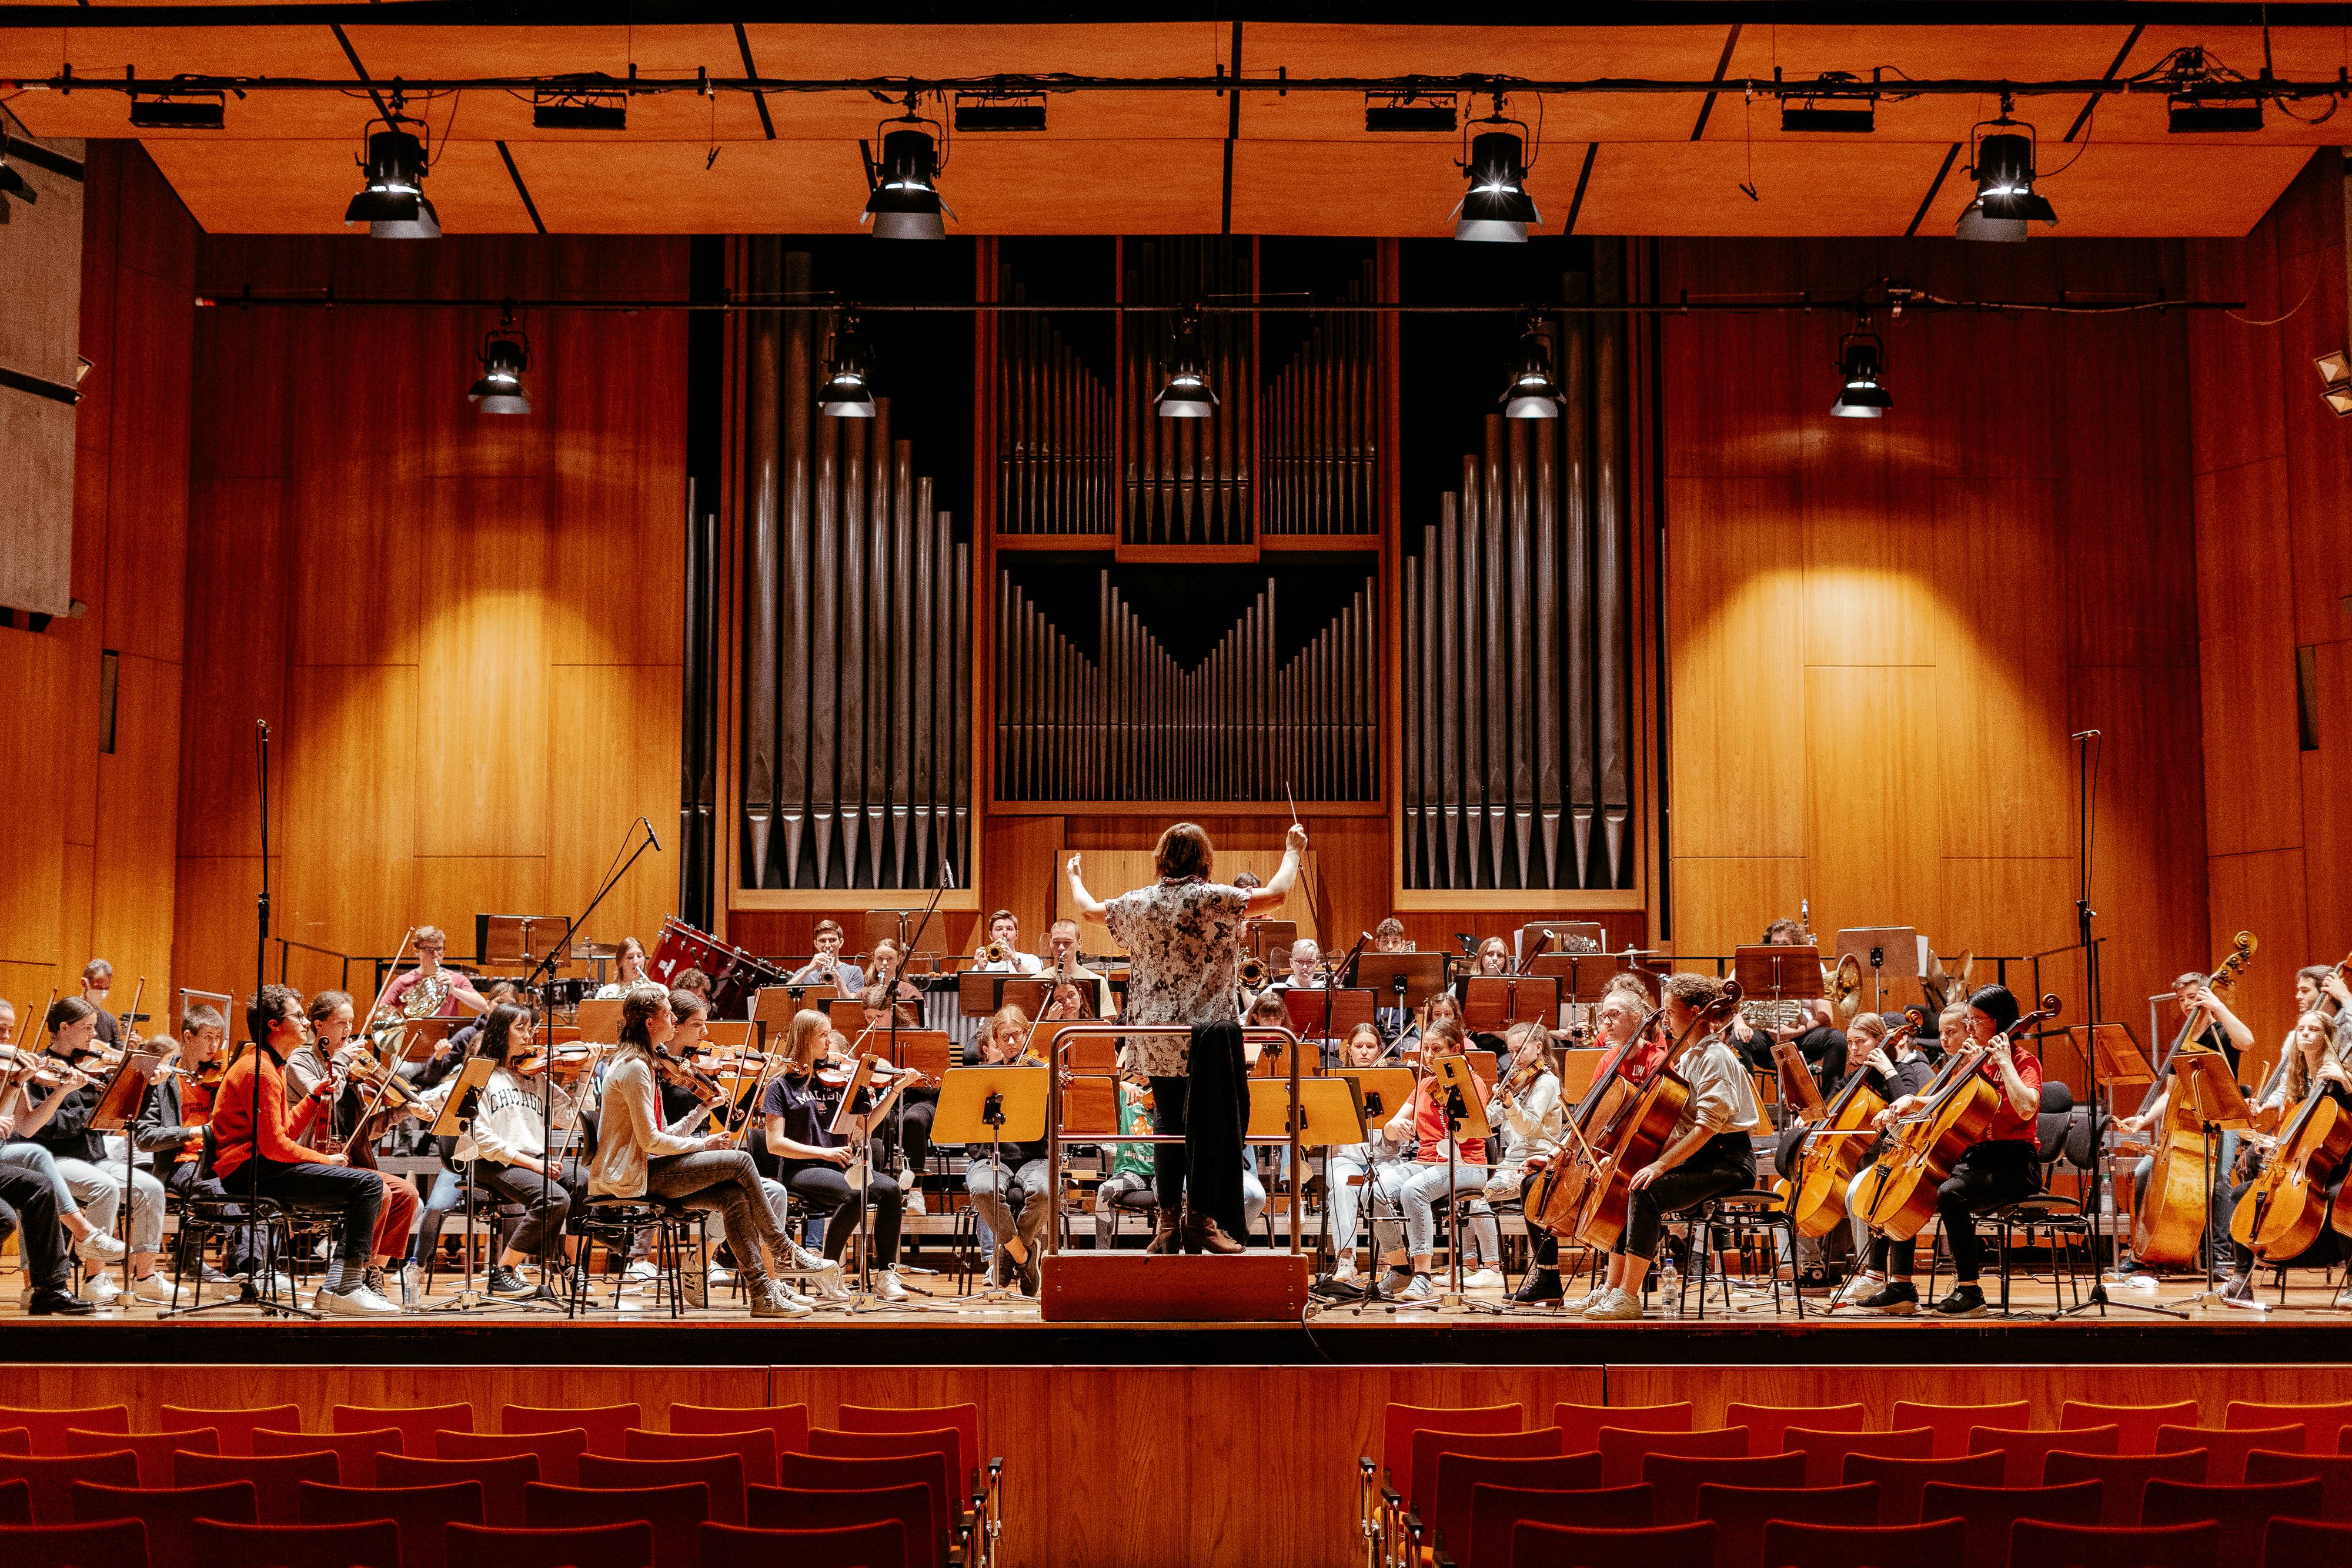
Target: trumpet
column 1252, row 972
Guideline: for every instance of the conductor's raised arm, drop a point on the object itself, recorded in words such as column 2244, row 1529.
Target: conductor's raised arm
column 1286, row 876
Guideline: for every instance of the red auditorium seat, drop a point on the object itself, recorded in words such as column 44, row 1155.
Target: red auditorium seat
column 424, row 1513
column 1952, row 1424
column 16, row 1502
column 1420, row 1497
column 2323, row 1425
column 2241, row 1511
column 1580, row 1425
column 676, row 1513
column 1825, row 1452
column 1940, row 1543
column 417, row 1424
column 1900, row 1481
column 908, row 1507
column 1497, row 1511
column 604, row 1423
column 722, row 1473
column 2033, row 1544
column 815, row 1472
column 2027, row 1451
column 355, row 1452
column 1740, row 1513
column 1768, row 1424
column 732, row 1546
column 2135, row 1424
column 1400, row 1422
column 51, row 1478
column 1448, row 1514
column 1988, row 1512
column 154, row 1448
column 170, row 1513
column 756, row 1448
column 557, row 1452
column 1678, row 1478
column 1622, row 1451
column 235, row 1427
column 2307, row 1544
column 16, row 1440
column 789, row 1422
column 2226, row 1448
column 374, row 1544
column 1564, row 1546
column 276, row 1478
column 2333, row 1470
column 46, row 1430
column 964, row 1418
column 2125, row 1476
column 503, row 1478
column 118, row 1543
column 629, row 1545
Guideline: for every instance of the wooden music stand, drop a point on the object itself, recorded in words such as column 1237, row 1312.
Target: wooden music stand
column 979, row 995
column 863, row 1122
column 1028, row 992
column 772, row 1007
column 600, row 1021
column 1491, row 1003
column 1767, row 973
column 928, row 1052
column 1584, row 977
column 1886, row 953
column 1578, row 1069
column 419, row 1035
column 1263, row 937
column 1347, row 1008
column 728, row 1034
column 1566, row 933
column 1382, row 1090
column 1090, row 1104
column 1087, row 1053
column 981, row 1107
column 848, row 1014
column 1400, row 979
column 2212, row 1091
column 2117, row 1055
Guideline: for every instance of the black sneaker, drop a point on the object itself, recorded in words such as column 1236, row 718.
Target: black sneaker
column 505, row 1281
column 1964, row 1301
column 1541, row 1288
column 1894, row 1299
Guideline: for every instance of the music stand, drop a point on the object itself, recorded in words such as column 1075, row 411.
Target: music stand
column 456, row 1121
column 1030, row 993
column 523, row 939
column 1410, row 979
column 1320, row 1014
column 2213, row 1097
column 419, row 1035
column 1890, row 953
column 1567, row 932
column 599, row 1020
column 217, row 1000
column 1264, row 936
column 995, row 1104
column 118, row 1109
column 1465, row 1116
column 1494, row 1002
column 772, row 1007
column 980, row 995
column 1383, row 1089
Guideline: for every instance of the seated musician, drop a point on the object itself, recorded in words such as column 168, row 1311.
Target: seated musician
column 1524, row 1105
column 1389, row 937
column 629, row 966
column 1442, row 1006
column 1493, row 960
column 1810, row 1024
column 2222, row 1030
column 319, row 1083
column 1420, row 1126
column 21, row 1116
column 682, row 1096
column 829, row 968
column 638, row 1155
column 59, row 1119
column 907, row 1129
column 1893, row 1072
column 998, row 1175
column 2317, row 986
column 1358, row 1172
column 1063, row 957
column 285, row 1169
column 429, row 990
column 888, row 962
column 812, row 1158
column 1616, row 1018
column 2000, row 1169
column 171, row 1126
column 1130, row 1183
column 2309, row 1058
column 1004, row 935
column 1072, row 1002
column 506, row 1145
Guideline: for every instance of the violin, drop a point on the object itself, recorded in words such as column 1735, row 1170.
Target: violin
column 561, row 1059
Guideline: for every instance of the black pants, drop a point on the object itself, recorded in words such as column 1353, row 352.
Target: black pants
column 1725, row 1162
column 909, row 1130
column 546, row 1204
column 1823, row 1050
column 825, row 1191
column 238, row 1253
column 1543, row 1247
column 354, row 1195
column 1988, row 1176
column 28, row 1207
column 1208, row 1110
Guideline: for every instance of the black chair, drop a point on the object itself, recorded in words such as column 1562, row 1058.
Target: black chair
column 2058, row 1222
column 619, row 1223
column 1743, row 1219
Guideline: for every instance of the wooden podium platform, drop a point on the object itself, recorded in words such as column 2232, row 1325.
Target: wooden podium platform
column 1252, row 1287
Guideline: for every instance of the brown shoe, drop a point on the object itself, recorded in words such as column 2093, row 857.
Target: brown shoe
column 1203, row 1234
column 1164, row 1232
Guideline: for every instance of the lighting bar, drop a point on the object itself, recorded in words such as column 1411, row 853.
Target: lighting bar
column 193, row 111
column 1835, row 101
column 2214, row 108
column 559, row 109
column 1000, row 111
column 1406, row 112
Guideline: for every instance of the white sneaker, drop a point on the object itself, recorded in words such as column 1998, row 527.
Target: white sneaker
column 100, row 1288
column 1420, row 1290
column 912, row 1199
column 1576, row 1306
column 808, row 1262
column 887, row 1286
column 359, row 1301
column 152, row 1288
column 698, row 1288
column 1614, row 1306
column 722, row 1279
column 99, row 1247
column 641, row 1273
column 1855, row 1288
column 1344, row 1270
column 775, row 1301
column 1484, row 1280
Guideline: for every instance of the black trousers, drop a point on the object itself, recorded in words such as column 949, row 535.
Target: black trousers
column 1725, row 1162
column 1988, row 1176
column 238, row 1254
column 354, row 1195
column 2323, row 1253
column 29, row 1208
column 546, row 1204
column 1208, row 1109
column 908, row 1127
column 823, row 1189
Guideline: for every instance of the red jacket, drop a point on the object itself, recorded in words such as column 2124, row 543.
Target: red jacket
column 233, row 1126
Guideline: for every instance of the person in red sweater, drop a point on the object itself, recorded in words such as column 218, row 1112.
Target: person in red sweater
column 288, row 1172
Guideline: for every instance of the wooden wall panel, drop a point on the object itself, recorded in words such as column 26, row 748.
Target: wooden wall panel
column 348, row 767
column 613, row 758
column 1713, row 1389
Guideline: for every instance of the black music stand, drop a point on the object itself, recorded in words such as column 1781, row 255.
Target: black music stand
column 1409, row 978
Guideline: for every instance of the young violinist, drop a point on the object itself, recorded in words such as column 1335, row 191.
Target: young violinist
column 2000, row 1169
column 814, row 1160
column 171, row 1126
column 1525, row 1106
column 636, row 1154
column 1358, row 1171
column 60, row 1124
column 1438, row 1165
column 21, row 1159
column 1002, row 1174
column 505, row 1146
column 340, row 1072
column 1616, row 1022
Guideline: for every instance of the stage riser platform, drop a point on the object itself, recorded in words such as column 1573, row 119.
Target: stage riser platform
column 1162, row 1467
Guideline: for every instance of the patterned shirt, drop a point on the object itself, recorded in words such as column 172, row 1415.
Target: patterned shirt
column 1184, row 944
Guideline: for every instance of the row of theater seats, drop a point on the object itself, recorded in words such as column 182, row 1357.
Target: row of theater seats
column 422, row 1487
column 1815, row 1487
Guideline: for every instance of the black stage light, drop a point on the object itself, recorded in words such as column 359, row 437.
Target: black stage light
column 1533, row 393
column 848, row 389
column 906, row 202
column 191, row 112
column 1496, row 207
column 556, row 108
column 505, row 354
column 1836, row 102
column 393, row 202
column 1408, row 111
column 2005, row 200
column 2209, row 109
column 1187, row 395
column 1862, row 365
column 1000, row 111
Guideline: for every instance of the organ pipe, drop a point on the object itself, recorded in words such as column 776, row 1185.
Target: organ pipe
column 1187, row 480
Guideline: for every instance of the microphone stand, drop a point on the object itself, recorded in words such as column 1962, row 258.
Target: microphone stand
column 898, row 1105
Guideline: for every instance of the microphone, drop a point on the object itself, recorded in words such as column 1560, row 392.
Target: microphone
column 946, row 873
column 649, row 833
column 2082, row 734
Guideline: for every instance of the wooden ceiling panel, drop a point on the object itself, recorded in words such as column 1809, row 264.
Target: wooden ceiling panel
column 1693, row 188
column 302, row 187
column 1057, row 187
column 647, row 187
column 2301, row 55
column 1406, row 188
column 1946, row 52
column 2176, row 188
column 672, row 52
column 163, row 52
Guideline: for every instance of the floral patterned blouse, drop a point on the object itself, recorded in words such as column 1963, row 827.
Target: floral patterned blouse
column 1184, row 941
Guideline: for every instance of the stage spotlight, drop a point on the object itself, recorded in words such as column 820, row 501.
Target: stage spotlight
column 1000, row 111
column 1393, row 111
column 905, row 202
column 2335, row 368
column 393, row 202
column 189, row 112
column 2005, row 200
column 1533, row 393
column 848, row 389
column 505, row 354
column 1862, row 364
column 1496, row 207
column 1187, row 395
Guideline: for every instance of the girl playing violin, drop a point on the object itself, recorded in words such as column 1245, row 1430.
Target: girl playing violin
column 813, row 1159
column 505, row 1146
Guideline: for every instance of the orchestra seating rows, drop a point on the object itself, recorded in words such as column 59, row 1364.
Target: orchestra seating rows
column 1941, row 1486
column 428, row 1488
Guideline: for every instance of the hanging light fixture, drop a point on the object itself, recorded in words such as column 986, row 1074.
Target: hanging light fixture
column 1187, row 395
column 1496, row 206
column 848, row 389
column 393, row 202
column 2003, row 169
column 905, row 202
column 1533, row 393
column 1862, row 364
column 505, row 354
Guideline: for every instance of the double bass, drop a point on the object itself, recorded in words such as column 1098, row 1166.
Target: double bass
column 1923, row 1147
column 1639, row 1132
column 1833, row 1152
column 1557, row 1195
column 2169, row 1226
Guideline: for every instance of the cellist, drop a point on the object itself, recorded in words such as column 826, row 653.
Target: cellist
column 2314, row 1055
column 2207, row 1021
column 1999, row 1168
column 1615, row 1019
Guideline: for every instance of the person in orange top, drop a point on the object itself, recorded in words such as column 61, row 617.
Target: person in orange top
column 286, row 1170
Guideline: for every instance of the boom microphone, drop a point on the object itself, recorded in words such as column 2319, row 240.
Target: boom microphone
column 649, row 833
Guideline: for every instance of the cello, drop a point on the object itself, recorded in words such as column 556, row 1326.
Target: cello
column 1638, row 1135
column 2288, row 1207
column 1833, row 1152
column 1557, row 1195
column 1923, row 1147
column 2169, row 1226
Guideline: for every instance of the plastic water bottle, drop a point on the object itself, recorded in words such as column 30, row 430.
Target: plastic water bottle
column 408, row 1287
column 1669, row 1278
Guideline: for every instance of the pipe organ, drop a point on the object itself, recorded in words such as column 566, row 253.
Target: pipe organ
column 1056, row 428
column 1319, row 413
column 856, row 631
column 1188, row 480
column 1105, row 711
